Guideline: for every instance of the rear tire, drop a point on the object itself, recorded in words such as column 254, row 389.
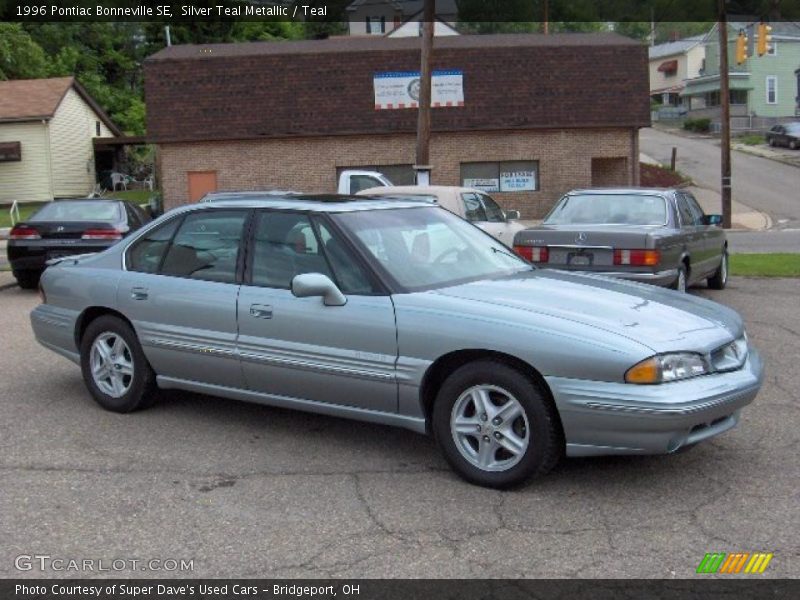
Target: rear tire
column 520, row 436
column 793, row 145
column 27, row 280
column 114, row 367
column 719, row 279
column 681, row 281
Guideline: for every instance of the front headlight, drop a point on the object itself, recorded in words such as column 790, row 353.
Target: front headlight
column 663, row 368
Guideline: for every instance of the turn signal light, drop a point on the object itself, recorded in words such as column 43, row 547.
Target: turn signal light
column 637, row 258
column 647, row 371
column 537, row 254
column 23, row 232
column 101, row 234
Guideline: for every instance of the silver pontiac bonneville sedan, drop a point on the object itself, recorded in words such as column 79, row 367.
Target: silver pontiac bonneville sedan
column 400, row 313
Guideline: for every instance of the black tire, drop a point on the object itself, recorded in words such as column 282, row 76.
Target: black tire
column 719, row 279
column 793, row 145
column 771, row 142
column 682, row 272
column 545, row 444
column 27, row 280
column 141, row 390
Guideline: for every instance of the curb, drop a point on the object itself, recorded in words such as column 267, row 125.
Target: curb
column 746, row 150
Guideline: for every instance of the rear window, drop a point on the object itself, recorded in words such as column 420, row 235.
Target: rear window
column 793, row 128
column 609, row 209
column 78, row 211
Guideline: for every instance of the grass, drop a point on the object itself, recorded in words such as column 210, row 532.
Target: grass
column 765, row 265
column 751, row 139
column 26, row 209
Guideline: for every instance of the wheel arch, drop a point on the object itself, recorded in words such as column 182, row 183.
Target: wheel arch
column 438, row 371
column 90, row 314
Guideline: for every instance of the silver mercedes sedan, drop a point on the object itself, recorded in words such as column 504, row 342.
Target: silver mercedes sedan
column 399, row 313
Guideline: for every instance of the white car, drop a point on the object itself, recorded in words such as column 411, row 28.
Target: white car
column 475, row 206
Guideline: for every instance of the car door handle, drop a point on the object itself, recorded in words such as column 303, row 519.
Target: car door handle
column 260, row 311
column 139, row 293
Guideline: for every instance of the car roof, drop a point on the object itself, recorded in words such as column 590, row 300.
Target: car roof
column 311, row 202
column 629, row 191
column 416, row 189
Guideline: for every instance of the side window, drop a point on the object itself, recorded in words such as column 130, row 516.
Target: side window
column 206, row 246
column 146, row 254
column 350, row 277
column 134, row 220
column 687, row 218
column 494, row 214
column 697, row 211
column 285, row 245
column 473, row 209
column 362, row 182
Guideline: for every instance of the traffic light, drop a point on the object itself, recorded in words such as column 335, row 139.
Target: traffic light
column 764, row 38
column 741, row 47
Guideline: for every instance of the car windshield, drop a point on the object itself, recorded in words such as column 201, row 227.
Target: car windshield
column 609, row 209
column 90, row 210
column 793, row 128
column 427, row 247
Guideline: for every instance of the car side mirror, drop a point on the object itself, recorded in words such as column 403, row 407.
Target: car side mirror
column 713, row 219
column 308, row 285
column 512, row 215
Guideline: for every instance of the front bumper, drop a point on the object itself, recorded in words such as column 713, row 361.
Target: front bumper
column 601, row 418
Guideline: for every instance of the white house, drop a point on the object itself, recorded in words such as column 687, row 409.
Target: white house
column 46, row 132
column 382, row 17
column 412, row 27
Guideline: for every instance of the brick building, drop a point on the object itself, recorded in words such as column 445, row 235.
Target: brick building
column 562, row 110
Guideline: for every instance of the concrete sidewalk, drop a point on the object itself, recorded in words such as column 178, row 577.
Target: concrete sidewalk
column 783, row 155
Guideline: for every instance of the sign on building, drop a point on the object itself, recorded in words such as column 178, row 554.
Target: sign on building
column 400, row 89
column 517, row 181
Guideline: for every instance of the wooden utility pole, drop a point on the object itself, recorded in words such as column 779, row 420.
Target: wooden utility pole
column 725, row 122
column 546, row 18
column 423, row 166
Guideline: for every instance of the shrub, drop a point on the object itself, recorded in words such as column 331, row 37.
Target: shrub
column 700, row 125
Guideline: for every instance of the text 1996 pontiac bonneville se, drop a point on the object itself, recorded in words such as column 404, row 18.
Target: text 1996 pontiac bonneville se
column 401, row 313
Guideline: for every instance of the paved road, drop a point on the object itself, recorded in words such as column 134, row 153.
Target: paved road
column 760, row 183
column 246, row 490
column 774, row 240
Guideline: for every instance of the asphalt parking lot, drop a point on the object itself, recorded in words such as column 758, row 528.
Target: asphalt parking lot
column 250, row 491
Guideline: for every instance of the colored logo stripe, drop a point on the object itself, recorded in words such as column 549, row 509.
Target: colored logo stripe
column 722, row 562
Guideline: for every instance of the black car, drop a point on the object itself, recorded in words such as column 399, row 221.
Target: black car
column 787, row 134
column 66, row 227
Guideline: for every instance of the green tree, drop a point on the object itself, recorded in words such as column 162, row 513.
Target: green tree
column 20, row 56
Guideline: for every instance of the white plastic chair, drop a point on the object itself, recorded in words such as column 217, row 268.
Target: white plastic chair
column 119, row 179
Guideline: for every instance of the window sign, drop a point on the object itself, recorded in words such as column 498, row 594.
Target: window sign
column 517, row 181
column 485, row 185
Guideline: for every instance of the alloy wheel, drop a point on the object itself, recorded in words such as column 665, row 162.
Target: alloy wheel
column 111, row 364
column 490, row 428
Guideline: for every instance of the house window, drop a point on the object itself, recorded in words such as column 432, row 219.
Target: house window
column 97, row 128
column 10, row 151
column 772, row 89
column 772, row 48
column 376, row 25
column 506, row 176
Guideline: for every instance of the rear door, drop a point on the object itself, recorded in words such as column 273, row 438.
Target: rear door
column 693, row 236
column 300, row 348
column 180, row 292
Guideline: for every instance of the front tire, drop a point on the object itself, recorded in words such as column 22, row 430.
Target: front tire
column 719, row 279
column 27, row 280
column 114, row 367
column 495, row 425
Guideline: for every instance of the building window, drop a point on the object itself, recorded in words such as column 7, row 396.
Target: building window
column 772, row 48
column 376, row 25
column 772, row 89
column 97, row 128
column 507, row 176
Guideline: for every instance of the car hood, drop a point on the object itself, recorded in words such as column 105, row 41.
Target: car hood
column 661, row 319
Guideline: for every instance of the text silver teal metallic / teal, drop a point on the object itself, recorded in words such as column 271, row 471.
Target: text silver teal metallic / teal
column 399, row 313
